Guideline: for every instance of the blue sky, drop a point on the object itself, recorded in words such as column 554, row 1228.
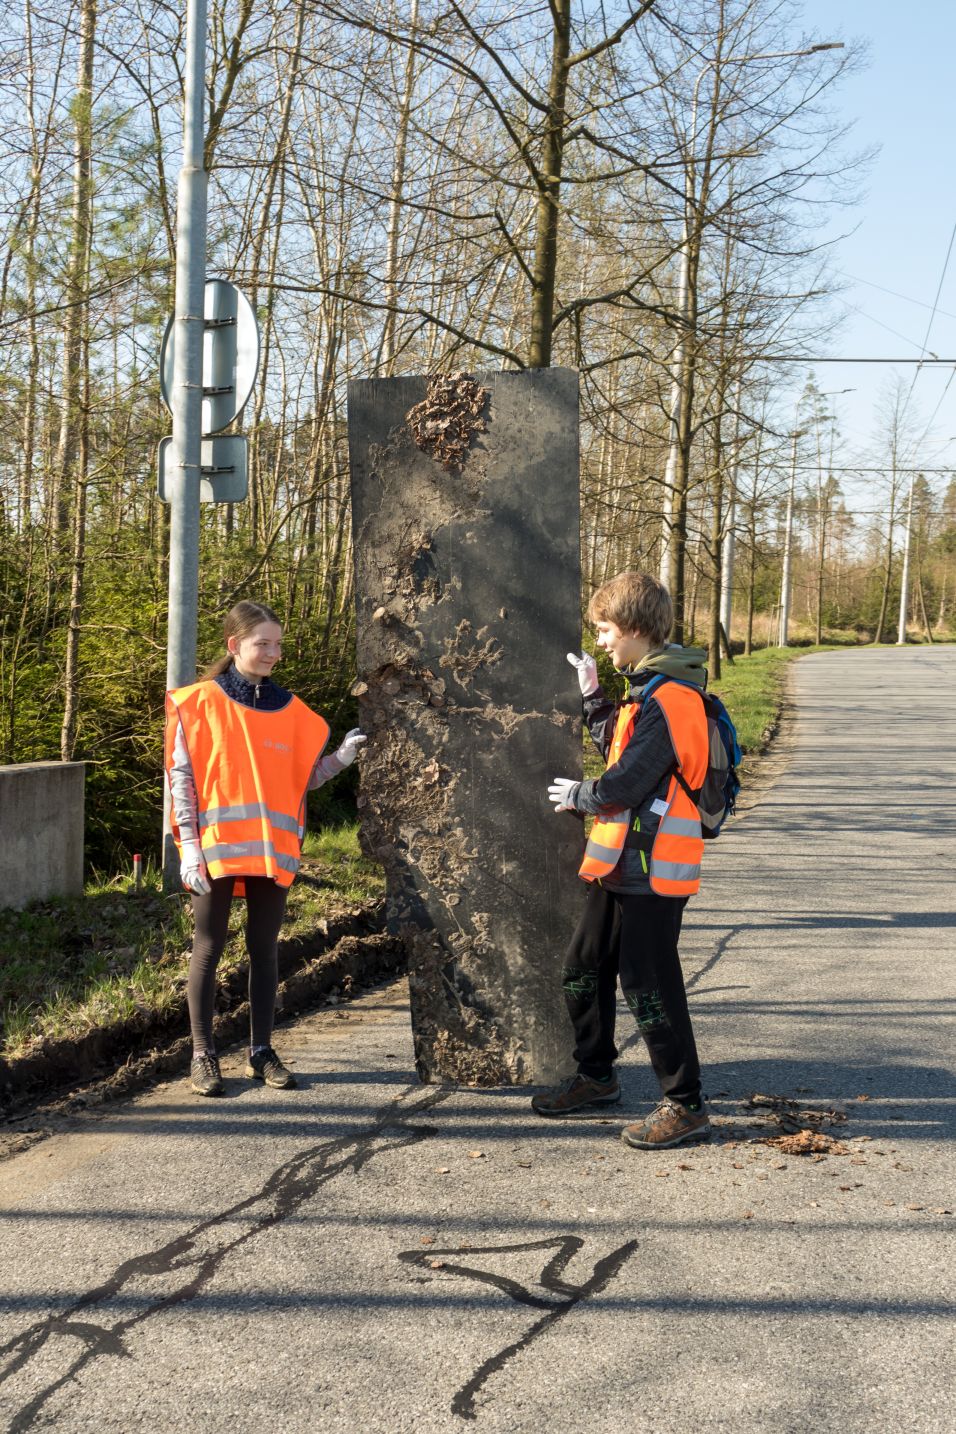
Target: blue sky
column 905, row 102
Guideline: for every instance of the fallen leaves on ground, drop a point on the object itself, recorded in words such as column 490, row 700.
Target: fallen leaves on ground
column 790, row 1114
column 807, row 1142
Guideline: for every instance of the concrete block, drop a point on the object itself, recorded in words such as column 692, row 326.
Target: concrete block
column 41, row 818
column 468, row 598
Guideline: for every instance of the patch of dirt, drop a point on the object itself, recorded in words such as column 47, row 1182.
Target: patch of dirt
column 118, row 1059
column 444, row 424
column 793, row 1115
column 465, row 656
column 807, row 1142
column 761, row 768
column 456, row 1037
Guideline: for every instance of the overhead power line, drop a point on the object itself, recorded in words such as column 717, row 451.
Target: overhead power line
column 905, row 297
column 789, row 358
column 890, row 468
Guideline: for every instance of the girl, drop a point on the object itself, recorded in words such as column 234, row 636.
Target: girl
column 241, row 753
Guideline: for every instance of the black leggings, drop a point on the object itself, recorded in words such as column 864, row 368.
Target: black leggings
column 634, row 937
column 265, row 906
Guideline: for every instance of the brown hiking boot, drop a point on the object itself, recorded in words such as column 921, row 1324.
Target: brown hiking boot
column 576, row 1094
column 670, row 1124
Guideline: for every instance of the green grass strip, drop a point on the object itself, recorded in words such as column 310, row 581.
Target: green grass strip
column 72, row 965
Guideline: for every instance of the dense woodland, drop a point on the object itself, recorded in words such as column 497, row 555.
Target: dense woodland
column 632, row 189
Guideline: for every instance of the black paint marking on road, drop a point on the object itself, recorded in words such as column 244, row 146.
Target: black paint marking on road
column 195, row 1257
column 567, row 1247
column 718, row 951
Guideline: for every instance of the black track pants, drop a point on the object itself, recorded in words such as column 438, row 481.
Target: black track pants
column 265, row 907
column 634, row 937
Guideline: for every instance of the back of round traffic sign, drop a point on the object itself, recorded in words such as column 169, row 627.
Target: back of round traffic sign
column 230, row 355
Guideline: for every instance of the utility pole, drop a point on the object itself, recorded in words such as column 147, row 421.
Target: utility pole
column 787, row 550
column 905, row 579
column 183, row 479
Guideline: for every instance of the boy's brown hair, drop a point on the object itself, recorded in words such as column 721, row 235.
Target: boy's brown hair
column 635, row 602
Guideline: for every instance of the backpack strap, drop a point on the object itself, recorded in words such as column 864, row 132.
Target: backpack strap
column 687, row 788
column 655, row 681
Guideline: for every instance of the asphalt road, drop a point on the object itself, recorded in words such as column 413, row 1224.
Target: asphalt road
column 368, row 1254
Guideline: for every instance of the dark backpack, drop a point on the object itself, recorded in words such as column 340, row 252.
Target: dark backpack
column 716, row 800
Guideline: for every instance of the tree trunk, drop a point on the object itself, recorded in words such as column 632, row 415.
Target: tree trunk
column 887, row 567
column 387, row 358
column 549, row 191
column 76, row 288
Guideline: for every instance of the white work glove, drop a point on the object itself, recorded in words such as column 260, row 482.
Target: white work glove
column 559, row 793
column 193, row 871
column 351, row 743
column 586, row 668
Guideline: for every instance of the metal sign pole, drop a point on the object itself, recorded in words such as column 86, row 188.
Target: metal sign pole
column 184, row 477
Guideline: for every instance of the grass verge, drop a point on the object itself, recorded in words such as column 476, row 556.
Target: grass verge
column 111, row 954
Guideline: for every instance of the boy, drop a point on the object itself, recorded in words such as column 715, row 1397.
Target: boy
column 642, row 862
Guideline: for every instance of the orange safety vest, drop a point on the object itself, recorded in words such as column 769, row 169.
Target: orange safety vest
column 678, row 845
column 251, row 769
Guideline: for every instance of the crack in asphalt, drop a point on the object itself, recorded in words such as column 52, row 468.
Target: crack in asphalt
column 200, row 1251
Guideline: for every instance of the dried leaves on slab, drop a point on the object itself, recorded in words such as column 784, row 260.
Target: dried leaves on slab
column 446, row 421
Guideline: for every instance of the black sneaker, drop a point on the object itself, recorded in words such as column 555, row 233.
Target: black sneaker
column 266, row 1065
column 205, row 1076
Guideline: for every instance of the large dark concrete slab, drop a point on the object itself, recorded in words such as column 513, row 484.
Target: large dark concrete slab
column 468, row 597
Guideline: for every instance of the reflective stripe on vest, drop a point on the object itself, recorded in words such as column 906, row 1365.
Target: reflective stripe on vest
column 606, row 840
column 674, row 868
column 216, row 816
column 251, row 768
column 225, row 851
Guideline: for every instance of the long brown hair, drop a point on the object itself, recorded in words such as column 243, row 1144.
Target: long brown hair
column 239, row 622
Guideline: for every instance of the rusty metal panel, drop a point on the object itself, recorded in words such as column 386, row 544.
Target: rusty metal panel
column 468, row 598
